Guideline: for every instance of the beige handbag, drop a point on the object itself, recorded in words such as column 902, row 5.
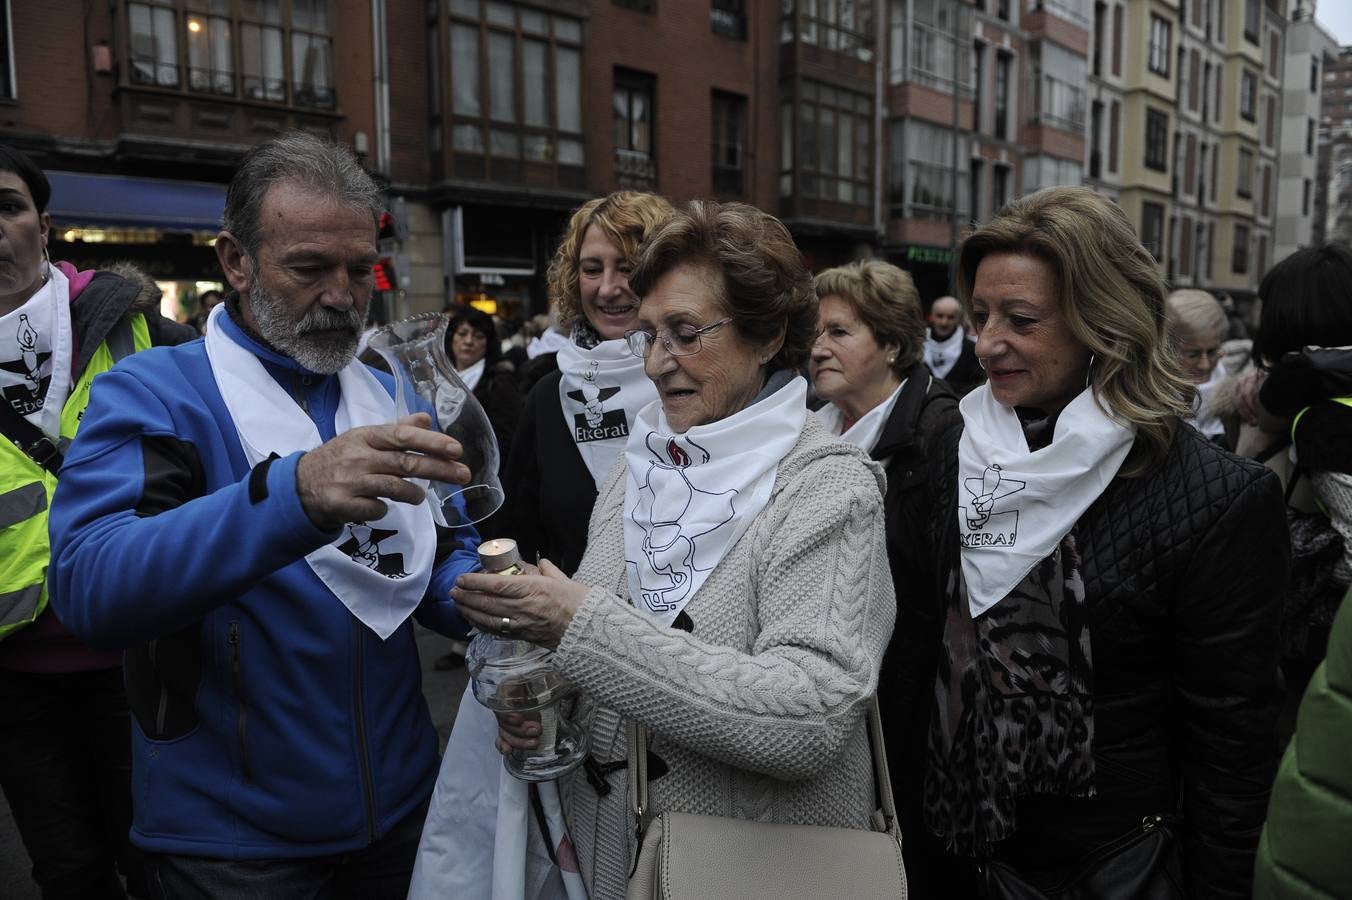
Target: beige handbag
column 688, row 857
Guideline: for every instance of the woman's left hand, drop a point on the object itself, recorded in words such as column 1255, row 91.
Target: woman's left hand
column 535, row 608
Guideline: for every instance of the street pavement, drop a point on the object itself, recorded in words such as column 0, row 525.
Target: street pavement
column 442, row 689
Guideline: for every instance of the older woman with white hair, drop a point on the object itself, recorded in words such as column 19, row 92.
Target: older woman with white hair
column 733, row 599
column 1197, row 326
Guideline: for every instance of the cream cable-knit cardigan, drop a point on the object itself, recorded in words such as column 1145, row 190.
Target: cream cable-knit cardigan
column 760, row 712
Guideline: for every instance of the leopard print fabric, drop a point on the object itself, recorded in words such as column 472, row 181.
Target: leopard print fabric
column 1014, row 705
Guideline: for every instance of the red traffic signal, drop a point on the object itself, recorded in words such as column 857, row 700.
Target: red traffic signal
column 386, row 229
column 386, row 280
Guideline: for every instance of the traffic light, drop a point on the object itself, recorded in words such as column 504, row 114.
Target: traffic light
column 387, row 229
column 386, row 280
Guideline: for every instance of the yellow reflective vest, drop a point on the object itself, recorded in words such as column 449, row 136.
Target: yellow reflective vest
column 26, row 490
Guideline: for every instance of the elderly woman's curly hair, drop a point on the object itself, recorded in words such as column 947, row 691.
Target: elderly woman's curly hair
column 753, row 259
column 626, row 218
column 1110, row 291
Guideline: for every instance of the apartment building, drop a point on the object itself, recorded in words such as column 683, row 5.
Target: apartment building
column 139, row 109
column 1106, row 98
column 1308, row 46
column 1332, row 208
column 1150, row 88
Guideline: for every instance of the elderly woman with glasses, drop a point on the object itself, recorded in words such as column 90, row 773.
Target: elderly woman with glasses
column 1197, row 326
column 734, row 597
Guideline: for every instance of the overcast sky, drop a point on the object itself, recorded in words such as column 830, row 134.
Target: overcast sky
column 1336, row 16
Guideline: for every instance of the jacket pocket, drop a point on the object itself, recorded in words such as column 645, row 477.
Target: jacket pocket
column 162, row 680
column 242, row 719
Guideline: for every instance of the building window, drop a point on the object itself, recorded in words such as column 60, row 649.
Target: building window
column 210, row 64
column 1158, row 58
column 516, row 78
column 842, row 26
column 1266, row 206
column 1194, row 79
column 1309, row 137
column 728, row 18
column 1185, row 246
column 1239, row 253
column 1059, row 76
column 1274, row 54
column 7, row 77
column 1114, row 132
column 1156, row 140
column 976, row 174
column 729, row 136
column 1248, row 100
column 1305, row 198
column 978, row 85
column 255, row 53
column 1251, row 13
column 1047, row 171
column 1096, row 140
column 634, row 92
column 154, row 44
column 311, row 54
column 999, row 186
column 939, row 28
column 1100, row 25
column 643, row 6
column 924, row 183
column 1117, row 39
column 1244, row 176
column 1152, row 228
column 1003, row 63
column 1270, row 120
column 835, row 146
column 1190, row 165
column 1314, row 74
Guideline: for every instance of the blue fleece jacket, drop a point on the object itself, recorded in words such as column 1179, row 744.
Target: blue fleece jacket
column 268, row 722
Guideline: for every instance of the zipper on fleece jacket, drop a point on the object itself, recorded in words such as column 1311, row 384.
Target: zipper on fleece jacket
column 367, row 784
column 239, row 695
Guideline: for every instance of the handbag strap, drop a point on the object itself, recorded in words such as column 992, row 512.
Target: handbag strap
column 884, row 817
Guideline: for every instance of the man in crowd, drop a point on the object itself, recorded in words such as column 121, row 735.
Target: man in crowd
column 65, row 755
column 238, row 515
column 948, row 353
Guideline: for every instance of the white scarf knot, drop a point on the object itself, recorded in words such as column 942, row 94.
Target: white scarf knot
column 1015, row 505
column 690, row 497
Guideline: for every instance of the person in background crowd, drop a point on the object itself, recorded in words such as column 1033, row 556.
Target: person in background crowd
column 948, row 353
column 550, row 336
column 218, row 523
column 205, row 302
column 65, row 743
column 1112, row 581
column 577, row 418
column 782, row 611
column 1302, row 344
column 1303, row 851
column 1196, row 329
column 867, row 363
column 475, row 351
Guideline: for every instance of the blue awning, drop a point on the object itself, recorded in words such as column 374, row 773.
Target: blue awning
column 82, row 199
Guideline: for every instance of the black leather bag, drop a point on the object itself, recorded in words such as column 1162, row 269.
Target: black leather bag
column 1140, row 865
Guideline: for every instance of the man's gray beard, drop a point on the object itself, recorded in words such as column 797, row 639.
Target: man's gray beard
column 294, row 337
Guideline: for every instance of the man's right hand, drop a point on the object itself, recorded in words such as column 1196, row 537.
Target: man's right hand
column 342, row 480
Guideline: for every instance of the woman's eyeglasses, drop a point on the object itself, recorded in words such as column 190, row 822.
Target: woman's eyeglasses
column 683, row 340
column 1195, row 354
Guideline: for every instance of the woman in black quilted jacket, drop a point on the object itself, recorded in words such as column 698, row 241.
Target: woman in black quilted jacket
column 1107, row 689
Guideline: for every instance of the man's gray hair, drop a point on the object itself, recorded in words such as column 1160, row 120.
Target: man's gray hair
column 301, row 158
